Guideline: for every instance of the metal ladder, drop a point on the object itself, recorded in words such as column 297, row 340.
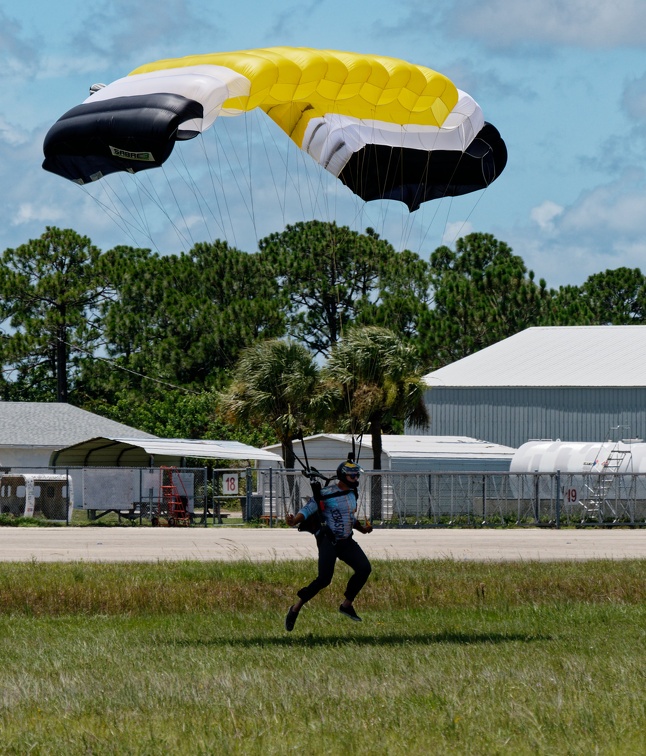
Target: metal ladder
column 174, row 505
column 598, row 502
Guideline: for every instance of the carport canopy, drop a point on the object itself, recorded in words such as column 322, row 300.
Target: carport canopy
column 143, row 452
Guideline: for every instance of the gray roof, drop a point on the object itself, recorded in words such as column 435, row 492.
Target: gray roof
column 55, row 425
column 574, row 356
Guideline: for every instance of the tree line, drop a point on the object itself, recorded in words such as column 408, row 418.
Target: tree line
column 168, row 343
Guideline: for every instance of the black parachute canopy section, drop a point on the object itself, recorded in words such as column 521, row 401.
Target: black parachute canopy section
column 414, row 176
column 121, row 134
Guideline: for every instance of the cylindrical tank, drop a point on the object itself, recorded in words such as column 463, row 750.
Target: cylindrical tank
column 586, row 472
column 580, row 457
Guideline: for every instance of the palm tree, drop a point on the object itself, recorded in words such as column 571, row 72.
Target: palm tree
column 377, row 383
column 275, row 382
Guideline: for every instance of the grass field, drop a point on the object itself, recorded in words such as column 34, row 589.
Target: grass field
column 451, row 658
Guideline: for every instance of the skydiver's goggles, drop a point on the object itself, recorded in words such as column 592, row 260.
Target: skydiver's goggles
column 350, row 470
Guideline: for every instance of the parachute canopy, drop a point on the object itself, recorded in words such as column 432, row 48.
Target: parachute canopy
column 386, row 128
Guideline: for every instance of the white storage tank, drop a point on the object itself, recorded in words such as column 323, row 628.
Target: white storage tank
column 547, row 456
column 604, row 481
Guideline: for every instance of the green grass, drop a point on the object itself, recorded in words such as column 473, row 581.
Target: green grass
column 452, row 658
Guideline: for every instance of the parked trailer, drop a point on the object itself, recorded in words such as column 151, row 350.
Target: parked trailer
column 40, row 494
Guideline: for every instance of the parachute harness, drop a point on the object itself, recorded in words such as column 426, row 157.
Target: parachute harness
column 316, row 524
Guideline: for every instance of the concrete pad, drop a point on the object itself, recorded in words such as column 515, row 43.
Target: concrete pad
column 89, row 544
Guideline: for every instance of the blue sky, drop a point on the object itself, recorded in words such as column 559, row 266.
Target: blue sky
column 565, row 83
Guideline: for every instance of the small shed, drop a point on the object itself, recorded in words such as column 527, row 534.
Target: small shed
column 404, row 453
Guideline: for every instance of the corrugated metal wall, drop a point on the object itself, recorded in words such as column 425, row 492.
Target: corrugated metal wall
column 512, row 416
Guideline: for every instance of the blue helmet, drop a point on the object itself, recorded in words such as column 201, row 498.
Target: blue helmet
column 348, row 473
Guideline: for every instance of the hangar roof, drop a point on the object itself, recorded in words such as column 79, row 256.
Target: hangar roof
column 554, row 356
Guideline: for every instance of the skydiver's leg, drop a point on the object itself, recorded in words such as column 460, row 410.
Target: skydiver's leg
column 353, row 555
column 326, row 564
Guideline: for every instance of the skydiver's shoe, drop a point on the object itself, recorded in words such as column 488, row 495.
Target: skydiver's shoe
column 349, row 612
column 290, row 619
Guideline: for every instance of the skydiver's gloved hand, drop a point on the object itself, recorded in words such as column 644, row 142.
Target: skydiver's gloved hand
column 293, row 520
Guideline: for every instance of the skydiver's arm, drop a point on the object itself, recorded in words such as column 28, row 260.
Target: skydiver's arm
column 302, row 514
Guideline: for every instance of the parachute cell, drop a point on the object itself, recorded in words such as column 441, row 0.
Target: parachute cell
column 386, row 128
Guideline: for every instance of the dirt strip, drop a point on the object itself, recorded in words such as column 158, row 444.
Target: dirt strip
column 88, row 544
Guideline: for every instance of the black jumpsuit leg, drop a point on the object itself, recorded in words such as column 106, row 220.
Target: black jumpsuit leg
column 348, row 551
column 326, row 564
column 352, row 554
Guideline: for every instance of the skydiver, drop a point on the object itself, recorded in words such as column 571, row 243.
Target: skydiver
column 334, row 540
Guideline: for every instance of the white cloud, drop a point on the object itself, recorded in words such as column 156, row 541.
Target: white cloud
column 148, row 27
column 456, row 230
column 60, row 66
column 615, row 209
column 589, row 24
column 17, row 53
column 29, row 212
column 11, row 134
column 545, row 214
column 605, row 228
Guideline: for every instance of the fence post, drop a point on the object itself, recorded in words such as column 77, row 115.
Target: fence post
column 249, row 482
column 558, row 499
column 205, row 497
column 271, row 497
column 68, row 517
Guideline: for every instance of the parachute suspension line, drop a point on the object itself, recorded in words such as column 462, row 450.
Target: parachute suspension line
column 111, row 211
column 193, row 187
column 219, row 190
column 282, row 201
column 249, row 144
column 115, row 366
column 470, row 213
column 133, row 208
column 178, row 231
column 217, row 218
column 234, row 173
column 138, row 221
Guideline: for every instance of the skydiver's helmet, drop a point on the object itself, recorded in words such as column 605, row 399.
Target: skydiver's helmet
column 348, row 473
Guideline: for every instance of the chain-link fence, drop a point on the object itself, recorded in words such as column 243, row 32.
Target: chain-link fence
column 411, row 499
column 173, row 496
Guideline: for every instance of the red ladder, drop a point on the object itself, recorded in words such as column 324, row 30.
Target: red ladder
column 173, row 503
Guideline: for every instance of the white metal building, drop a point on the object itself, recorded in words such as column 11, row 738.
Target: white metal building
column 405, row 453
column 575, row 383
